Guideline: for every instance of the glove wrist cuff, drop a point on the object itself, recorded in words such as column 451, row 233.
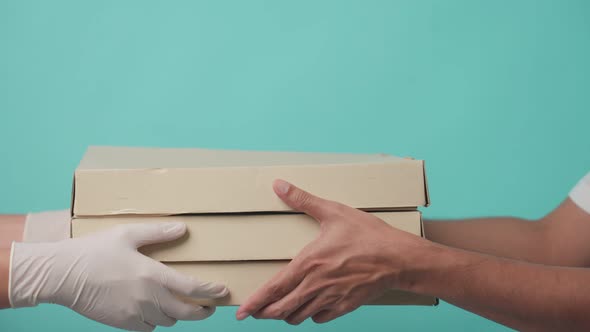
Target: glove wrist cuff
column 30, row 268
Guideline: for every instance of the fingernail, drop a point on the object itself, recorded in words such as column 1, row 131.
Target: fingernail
column 282, row 187
column 174, row 227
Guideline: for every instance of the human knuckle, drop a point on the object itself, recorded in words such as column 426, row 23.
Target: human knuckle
column 276, row 290
column 325, row 301
column 302, row 199
column 269, row 313
column 296, row 301
column 276, row 313
column 263, row 314
column 312, row 262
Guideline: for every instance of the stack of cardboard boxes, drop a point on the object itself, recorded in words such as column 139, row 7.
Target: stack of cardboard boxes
column 239, row 232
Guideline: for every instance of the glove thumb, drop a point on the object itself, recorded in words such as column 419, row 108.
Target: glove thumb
column 144, row 234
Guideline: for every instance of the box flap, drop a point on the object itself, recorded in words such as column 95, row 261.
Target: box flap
column 151, row 181
column 100, row 158
column 237, row 237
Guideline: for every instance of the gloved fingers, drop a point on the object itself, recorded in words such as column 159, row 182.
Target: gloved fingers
column 142, row 234
column 158, row 318
column 174, row 307
column 152, row 312
column 181, row 284
column 138, row 326
column 147, row 327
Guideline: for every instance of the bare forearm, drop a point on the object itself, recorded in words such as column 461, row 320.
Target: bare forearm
column 502, row 236
column 559, row 238
column 521, row 295
column 11, row 229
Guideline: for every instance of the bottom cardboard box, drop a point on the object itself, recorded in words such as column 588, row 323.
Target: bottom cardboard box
column 243, row 278
column 243, row 251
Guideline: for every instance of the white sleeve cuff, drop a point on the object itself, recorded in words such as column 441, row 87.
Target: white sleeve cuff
column 49, row 226
column 580, row 194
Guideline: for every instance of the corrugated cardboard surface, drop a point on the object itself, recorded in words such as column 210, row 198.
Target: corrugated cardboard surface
column 229, row 237
column 119, row 181
column 245, row 251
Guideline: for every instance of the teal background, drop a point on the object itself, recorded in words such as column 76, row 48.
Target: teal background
column 495, row 95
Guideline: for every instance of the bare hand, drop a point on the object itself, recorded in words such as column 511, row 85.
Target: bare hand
column 356, row 258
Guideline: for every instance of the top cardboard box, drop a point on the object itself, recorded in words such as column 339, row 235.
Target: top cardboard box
column 161, row 181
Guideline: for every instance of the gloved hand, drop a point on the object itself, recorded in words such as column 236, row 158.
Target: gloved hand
column 105, row 278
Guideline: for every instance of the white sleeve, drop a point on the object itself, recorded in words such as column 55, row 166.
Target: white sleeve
column 47, row 226
column 580, row 194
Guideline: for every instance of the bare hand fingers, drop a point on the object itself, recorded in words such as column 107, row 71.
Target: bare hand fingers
column 302, row 201
column 333, row 313
column 285, row 306
column 282, row 284
column 307, row 310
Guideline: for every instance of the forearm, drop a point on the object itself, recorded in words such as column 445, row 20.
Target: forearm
column 521, row 295
column 502, row 236
column 559, row 238
column 11, row 229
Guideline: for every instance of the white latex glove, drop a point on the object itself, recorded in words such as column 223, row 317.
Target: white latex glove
column 105, row 278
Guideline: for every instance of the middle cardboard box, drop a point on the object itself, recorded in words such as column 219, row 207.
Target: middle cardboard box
column 247, row 247
column 245, row 251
